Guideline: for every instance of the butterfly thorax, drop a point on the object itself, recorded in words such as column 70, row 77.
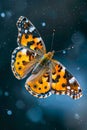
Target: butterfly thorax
column 43, row 62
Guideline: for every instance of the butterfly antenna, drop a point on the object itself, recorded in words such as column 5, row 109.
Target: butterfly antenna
column 52, row 39
column 66, row 49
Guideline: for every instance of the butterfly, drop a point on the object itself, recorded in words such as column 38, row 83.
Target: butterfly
column 46, row 76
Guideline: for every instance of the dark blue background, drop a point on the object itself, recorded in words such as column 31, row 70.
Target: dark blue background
column 18, row 109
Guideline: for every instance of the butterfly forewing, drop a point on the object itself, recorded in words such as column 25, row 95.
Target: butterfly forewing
column 28, row 35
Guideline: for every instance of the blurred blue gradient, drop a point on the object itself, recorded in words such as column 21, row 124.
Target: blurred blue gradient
column 19, row 110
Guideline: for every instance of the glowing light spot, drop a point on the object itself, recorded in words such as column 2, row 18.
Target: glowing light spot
column 6, row 93
column 78, row 38
column 9, row 112
column 20, row 104
column 77, row 116
column 43, row 24
column 34, row 114
column 64, row 52
column 2, row 14
column 78, row 68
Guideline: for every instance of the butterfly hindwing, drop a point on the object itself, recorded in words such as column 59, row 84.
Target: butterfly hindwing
column 54, row 79
column 39, row 84
column 28, row 35
column 22, row 62
column 63, row 81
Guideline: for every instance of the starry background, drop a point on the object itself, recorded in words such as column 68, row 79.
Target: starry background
column 18, row 109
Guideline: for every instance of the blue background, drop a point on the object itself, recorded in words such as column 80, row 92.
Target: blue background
column 19, row 110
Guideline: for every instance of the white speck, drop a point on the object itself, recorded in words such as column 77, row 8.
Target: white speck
column 19, row 29
column 72, row 80
column 32, row 28
column 63, row 68
column 68, row 87
column 19, row 34
column 26, row 31
column 43, row 24
column 9, row 112
column 27, row 21
column 24, row 51
column 64, row 52
column 72, row 90
column 6, row 93
column 77, row 116
column 2, row 14
column 39, row 39
column 79, row 88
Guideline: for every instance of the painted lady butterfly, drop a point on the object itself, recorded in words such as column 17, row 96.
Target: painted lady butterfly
column 48, row 76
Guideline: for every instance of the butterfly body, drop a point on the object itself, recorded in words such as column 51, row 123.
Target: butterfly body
column 43, row 62
column 48, row 76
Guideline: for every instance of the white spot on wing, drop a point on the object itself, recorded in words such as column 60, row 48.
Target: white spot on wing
column 19, row 34
column 27, row 21
column 63, row 68
column 72, row 80
column 19, row 29
column 24, row 51
column 26, row 31
column 32, row 28
column 68, row 87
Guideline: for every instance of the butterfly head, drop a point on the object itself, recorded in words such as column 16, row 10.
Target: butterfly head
column 50, row 54
column 22, row 22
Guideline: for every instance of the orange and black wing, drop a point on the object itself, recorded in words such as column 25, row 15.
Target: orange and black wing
column 28, row 35
column 39, row 85
column 23, row 61
column 63, row 81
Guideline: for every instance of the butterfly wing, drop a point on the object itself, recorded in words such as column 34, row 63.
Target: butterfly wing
column 29, row 36
column 22, row 62
column 63, row 81
column 31, row 48
column 39, row 84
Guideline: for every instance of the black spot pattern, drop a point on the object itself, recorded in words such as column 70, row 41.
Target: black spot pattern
column 54, row 73
column 75, row 83
column 48, row 79
column 30, row 54
column 35, row 86
column 67, row 75
column 30, row 43
column 35, row 34
column 40, row 81
column 60, row 69
column 19, row 55
column 18, row 63
column 26, row 36
column 20, row 68
column 45, row 87
column 64, row 85
column 56, row 79
column 24, row 62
